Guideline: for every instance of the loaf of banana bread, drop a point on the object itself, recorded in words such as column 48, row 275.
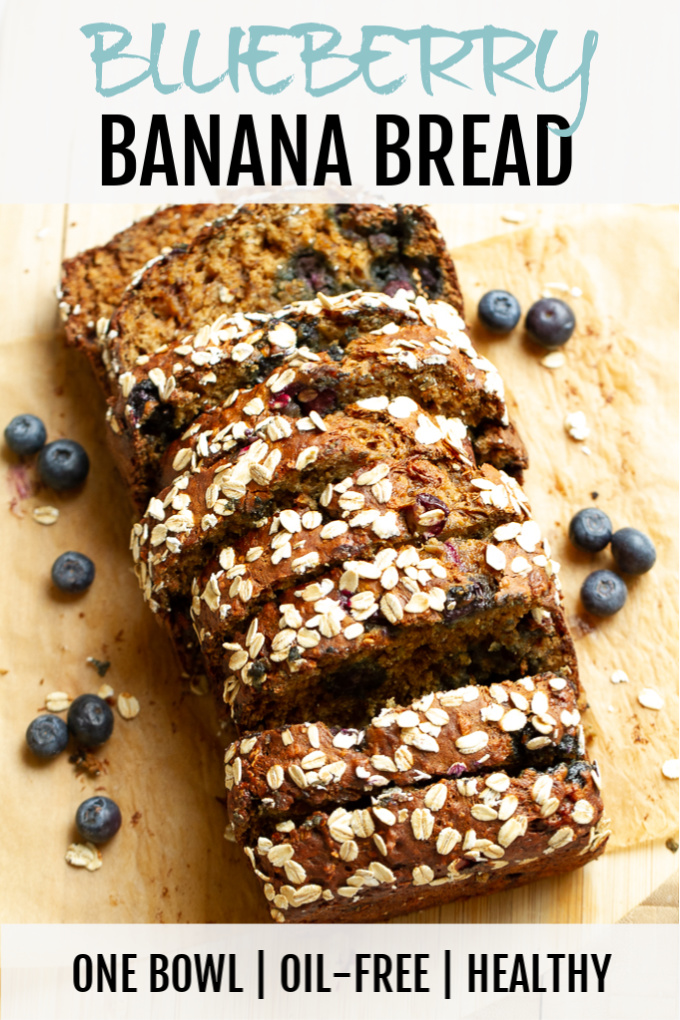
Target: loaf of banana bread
column 333, row 524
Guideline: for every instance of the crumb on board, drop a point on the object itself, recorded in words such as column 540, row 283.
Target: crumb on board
column 45, row 515
column 576, row 425
column 102, row 666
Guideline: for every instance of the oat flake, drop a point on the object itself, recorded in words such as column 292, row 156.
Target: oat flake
column 128, row 706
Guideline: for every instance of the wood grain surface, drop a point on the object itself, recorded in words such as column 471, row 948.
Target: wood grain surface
column 170, row 863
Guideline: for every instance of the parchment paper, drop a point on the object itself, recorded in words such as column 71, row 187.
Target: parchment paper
column 622, row 371
column 170, row 862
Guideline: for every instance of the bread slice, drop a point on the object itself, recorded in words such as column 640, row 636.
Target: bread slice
column 93, row 282
column 262, row 257
column 288, row 773
column 260, row 477
column 312, row 358
column 424, row 619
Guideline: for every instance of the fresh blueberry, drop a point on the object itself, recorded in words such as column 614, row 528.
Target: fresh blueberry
column 603, row 593
column 499, row 311
column 25, row 434
column 90, row 720
column 73, row 572
column 63, row 464
column 550, row 322
column 633, row 551
column 590, row 530
column 98, row 819
column 47, row 736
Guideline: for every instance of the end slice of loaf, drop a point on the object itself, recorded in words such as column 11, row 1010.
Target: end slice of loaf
column 93, row 282
column 411, row 847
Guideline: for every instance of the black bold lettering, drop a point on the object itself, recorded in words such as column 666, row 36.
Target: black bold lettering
column 519, row 976
column 128, row 972
column 209, row 972
column 193, row 143
column 290, row 973
column 82, row 972
column 122, row 148
column 427, row 155
column 481, row 970
column 158, row 978
column 470, row 147
column 383, row 966
column 158, row 133
column 245, row 133
column 360, row 970
column 421, row 972
column 295, row 154
column 510, row 132
column 332, row 135
column 104, row 974
column 601, row 970
column 181, row 982
column 543, row 134
column 396, row 148
column 499, row 972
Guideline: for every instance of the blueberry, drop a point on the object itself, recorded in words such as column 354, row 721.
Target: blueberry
column 590, row 530
column 98, row 819
column 47, row 736
column 73, row 572
column 25, row 434
column 499, row 311
column 603, row 593
column 633, row 551
column 63, row 464
column 550, row 322
column 90, row 720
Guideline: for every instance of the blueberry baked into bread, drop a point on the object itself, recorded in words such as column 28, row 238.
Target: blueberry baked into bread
column 332, row 519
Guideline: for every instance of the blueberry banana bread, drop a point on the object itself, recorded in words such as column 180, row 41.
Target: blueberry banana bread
column 296, row 367
column 416, row 846
column 262, row 257
column 93, row 282
column 333, row 522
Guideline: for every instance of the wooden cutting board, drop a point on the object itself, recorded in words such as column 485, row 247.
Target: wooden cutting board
column 170, row 862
